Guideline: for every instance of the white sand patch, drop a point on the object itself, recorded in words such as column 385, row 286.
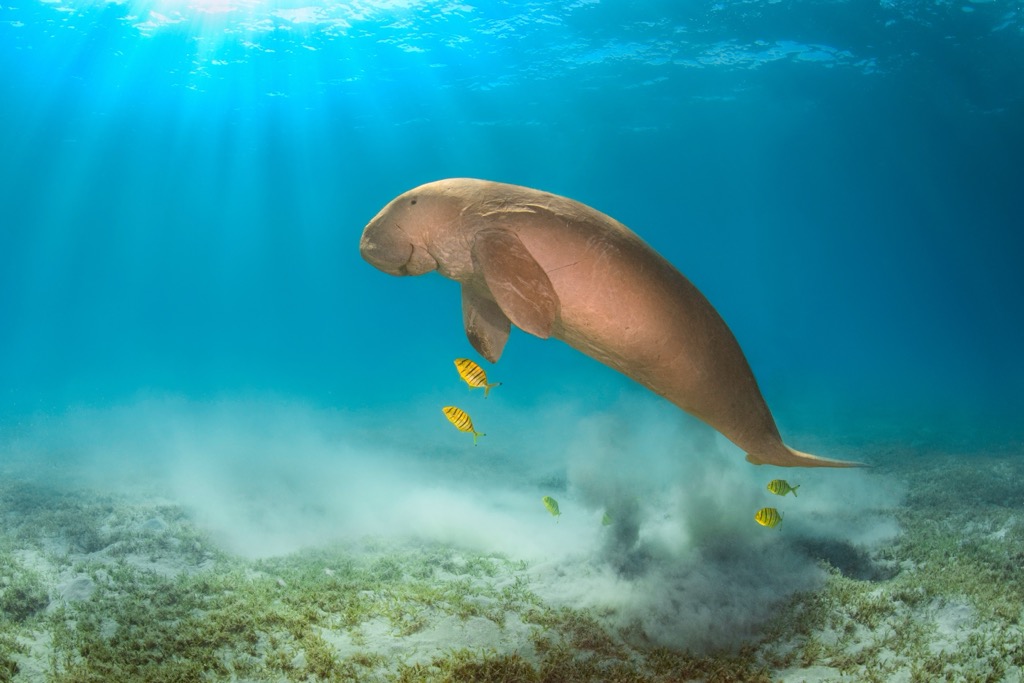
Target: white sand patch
column 76, row 589
column 36, row 561
column 1000, row 533
column 435, row 640
column 34, row 665
column 953, row 624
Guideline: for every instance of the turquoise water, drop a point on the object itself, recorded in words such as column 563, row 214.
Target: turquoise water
column 184, row 184
column 187, row 327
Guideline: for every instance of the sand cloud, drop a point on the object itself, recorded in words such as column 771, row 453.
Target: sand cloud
column 681, row 562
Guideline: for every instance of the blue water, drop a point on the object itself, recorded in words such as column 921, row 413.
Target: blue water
column 183, row 187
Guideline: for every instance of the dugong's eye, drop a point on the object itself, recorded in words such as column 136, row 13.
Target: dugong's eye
column 413, row 200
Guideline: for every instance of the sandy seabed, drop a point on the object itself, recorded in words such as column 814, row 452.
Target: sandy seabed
column 98, row 584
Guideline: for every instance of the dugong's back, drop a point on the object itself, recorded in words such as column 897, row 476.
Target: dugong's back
column 625, row 305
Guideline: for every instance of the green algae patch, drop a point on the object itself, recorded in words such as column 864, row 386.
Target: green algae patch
column 267, row 619
column 9, row 649
column 23, row 593
column 94, row 589
column 346, row 614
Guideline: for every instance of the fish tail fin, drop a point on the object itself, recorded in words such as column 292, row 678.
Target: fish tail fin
column 488, row 387
column 794, row 490
column 477, row 434
column 784, row 456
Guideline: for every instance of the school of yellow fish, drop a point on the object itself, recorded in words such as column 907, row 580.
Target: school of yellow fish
column 771, row 517
column 475, row 376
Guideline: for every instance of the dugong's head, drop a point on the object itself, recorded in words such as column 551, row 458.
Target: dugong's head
column 411, row 233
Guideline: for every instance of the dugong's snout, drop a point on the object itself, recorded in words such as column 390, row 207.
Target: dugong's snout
column 387, row 247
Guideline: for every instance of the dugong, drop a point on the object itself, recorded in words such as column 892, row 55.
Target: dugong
column 558, row 268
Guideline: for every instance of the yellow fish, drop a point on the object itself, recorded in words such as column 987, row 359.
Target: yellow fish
column 473, row 375
column 552, row 505
column 781, row 487
column 606, row 520
column 461, row 420
column 769, row 517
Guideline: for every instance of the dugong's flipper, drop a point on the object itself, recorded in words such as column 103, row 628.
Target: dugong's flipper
column 486, row 326
column 516, row 281
column 787, row 457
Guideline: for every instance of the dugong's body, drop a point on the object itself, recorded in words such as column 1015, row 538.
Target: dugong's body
column 558, row 268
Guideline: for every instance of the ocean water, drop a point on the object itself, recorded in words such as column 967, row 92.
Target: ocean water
column 185, row 319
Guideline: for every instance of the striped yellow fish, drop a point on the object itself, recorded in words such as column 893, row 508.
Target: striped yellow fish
column 461, row 420
column 552, row 505
column 769, row 517
column 473, row 375
column 781, row 487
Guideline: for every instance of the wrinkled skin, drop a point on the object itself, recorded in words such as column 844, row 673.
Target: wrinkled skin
column 557, row 268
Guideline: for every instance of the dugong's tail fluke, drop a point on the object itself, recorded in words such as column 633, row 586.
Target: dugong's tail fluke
column 787, row 457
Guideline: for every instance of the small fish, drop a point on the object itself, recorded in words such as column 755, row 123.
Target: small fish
column 606, row 520
column 769, row 517
column 461, row 420
column 474, row 375
column 552, row 505
column 781, row 487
